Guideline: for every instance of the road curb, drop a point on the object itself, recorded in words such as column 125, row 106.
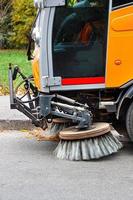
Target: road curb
column 16, row 125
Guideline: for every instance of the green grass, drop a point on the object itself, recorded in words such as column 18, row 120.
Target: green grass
column 16, row 57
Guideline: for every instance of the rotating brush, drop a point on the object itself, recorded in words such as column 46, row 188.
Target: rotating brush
column 77, row 145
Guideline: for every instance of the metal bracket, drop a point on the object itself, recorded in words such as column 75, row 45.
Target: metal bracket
column 51, row 3
column 16, row 103
column 69, row 109
column 49, row 82
column 48, row 3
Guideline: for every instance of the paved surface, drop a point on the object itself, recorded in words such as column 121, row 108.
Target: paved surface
column 7, row 113
column 11, row 119
column 29, row 170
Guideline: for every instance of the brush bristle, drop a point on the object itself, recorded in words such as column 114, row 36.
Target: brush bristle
column 88, row 149
column 55, row 128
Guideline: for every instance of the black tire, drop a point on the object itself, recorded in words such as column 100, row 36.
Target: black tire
column 129, row 121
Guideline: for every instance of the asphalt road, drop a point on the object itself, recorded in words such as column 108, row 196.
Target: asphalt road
column 30, row 171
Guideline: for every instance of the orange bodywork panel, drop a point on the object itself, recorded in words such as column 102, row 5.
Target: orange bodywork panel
column 119, row 68
column 35, row 68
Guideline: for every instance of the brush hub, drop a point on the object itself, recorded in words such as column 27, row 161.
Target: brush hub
column 98, row 129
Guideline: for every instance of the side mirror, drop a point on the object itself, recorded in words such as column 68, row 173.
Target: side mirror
column 48, row 3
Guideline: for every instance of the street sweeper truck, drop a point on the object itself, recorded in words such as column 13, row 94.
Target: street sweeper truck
column 82, row 75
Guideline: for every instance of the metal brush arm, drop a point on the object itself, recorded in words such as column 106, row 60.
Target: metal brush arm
column 50, row 105
column 76, row 114
column 71, row 101
column 44, row 106
column 68, row 106
column 16, row 103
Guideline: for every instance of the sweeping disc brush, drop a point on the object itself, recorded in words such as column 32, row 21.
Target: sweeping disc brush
column 91, row 144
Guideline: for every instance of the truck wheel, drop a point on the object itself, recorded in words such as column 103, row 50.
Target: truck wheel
column 129, row 121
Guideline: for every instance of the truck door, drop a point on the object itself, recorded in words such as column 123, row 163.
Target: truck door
column 79, row 41
column 120, row 46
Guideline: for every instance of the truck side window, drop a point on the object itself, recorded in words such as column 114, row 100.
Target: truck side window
column 80, row 39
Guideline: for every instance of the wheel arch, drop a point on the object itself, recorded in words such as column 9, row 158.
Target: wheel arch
column 125, row 102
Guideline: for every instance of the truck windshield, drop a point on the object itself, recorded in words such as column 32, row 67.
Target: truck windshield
column 80, row 38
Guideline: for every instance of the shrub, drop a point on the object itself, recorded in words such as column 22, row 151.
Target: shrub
column 5, row 23
column 23, row 14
